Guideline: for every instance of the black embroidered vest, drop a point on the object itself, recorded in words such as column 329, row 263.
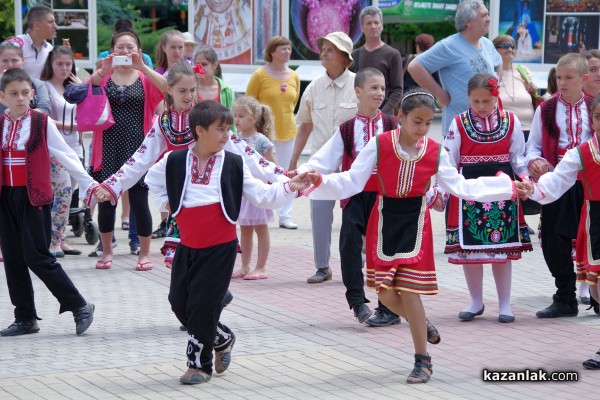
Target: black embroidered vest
column 232, row 182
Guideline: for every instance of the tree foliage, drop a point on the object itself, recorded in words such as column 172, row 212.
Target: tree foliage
column 7, row 19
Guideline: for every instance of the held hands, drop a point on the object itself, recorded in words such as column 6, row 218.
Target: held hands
column 102, row 194
column 524, row 189
column 300, row 182
column 538, row 168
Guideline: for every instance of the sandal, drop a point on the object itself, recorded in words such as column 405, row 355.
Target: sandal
column 433, row 336
column 238, row 275
column 104, row 264
column 125, row 225
column 144, row 266
column 592, row 363
column 418, row 375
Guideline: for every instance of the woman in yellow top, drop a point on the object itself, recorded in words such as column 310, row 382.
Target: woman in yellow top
column 278, row 86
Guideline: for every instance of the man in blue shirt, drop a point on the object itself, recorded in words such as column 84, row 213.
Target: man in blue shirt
column 457, row 58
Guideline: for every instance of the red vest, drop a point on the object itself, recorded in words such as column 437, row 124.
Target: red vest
column 590, row 173
column 550, row 130
column 349, row 155
column 398, row 177
column 37, row 161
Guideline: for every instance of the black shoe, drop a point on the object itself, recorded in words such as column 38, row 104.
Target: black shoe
column 558, row 309
column 322, row 274
column 183, row 328
column 592, row 363
column 383, row 317
column 161, row 231
column 594, row 304
column 83, row 318
column 21, row 328
column 362, row 312
column 468, row 316
column 223, row 357
column 228, row 298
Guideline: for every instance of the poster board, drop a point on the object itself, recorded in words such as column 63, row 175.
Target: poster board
column 544, row 30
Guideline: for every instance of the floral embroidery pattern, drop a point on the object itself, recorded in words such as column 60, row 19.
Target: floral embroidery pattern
column 173, row 136
column 202, row 177
column 573, row 140
column 475, row 132
column 490, row 222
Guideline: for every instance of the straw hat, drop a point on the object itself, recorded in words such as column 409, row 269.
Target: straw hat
column 188, row 38
column 339, row 40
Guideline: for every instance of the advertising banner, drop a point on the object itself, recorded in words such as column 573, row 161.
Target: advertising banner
column 414, row 10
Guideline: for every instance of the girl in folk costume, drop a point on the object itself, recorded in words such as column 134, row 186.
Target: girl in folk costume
column 483, row 141
column 401, row 266
column 171, row 132
column 581, row 163
column 254, row 123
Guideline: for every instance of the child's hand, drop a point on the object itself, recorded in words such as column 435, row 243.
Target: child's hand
column 292, row 173
column 102, row 194
column 299, row 182
column 524, row 189
column 538, row 168
column 313, row 176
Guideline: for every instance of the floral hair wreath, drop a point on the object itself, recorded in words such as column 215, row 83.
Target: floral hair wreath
column 494, row 87
column 198, row 70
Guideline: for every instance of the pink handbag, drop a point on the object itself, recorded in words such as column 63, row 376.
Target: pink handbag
column 94, row 113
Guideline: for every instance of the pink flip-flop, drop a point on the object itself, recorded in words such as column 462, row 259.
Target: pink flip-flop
column 103, row 264
column 238, row 275
column 255, row 277
column 144, row 266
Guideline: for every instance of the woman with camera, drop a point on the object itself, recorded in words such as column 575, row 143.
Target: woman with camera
column 134, row 91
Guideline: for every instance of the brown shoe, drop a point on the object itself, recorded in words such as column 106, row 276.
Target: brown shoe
column 322, row 275
column 194, row 376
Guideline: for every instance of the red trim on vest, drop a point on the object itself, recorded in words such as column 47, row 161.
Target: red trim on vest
column 193, row 220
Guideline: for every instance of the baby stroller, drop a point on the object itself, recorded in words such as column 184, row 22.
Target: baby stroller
column 80, row 219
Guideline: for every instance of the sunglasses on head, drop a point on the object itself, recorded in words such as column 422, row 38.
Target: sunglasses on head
column 8, row 43
column 505, row 46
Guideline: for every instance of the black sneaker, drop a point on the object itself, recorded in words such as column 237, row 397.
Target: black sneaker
column 228, row 298
column 223, row 357
column 83, row 318
column 383, row 317
column 161, row 231
column 362, row 312
column 21, row 328
column 558, row 309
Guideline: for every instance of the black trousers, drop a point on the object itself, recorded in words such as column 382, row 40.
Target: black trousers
column 355, row 217
column 560, row 220
column 199, row 280
column 138, row 199
column 24, row 238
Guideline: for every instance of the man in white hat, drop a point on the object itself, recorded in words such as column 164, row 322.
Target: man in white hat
column 189, row 47
column 328, row 101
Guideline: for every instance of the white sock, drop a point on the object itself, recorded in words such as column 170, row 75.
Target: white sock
column 474, row 278
column 503, row 278
column 584, row 290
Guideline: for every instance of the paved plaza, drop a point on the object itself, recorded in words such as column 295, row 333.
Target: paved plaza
column 294, row 340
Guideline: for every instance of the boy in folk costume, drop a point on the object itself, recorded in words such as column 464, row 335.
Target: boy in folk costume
column 28, row 140
column 203, row 186
column 561, row 123
column 341, row 150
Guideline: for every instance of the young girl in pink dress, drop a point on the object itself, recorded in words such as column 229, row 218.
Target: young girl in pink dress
column 254, row 123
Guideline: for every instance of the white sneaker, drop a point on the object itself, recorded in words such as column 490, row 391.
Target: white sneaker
column 287, row 223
